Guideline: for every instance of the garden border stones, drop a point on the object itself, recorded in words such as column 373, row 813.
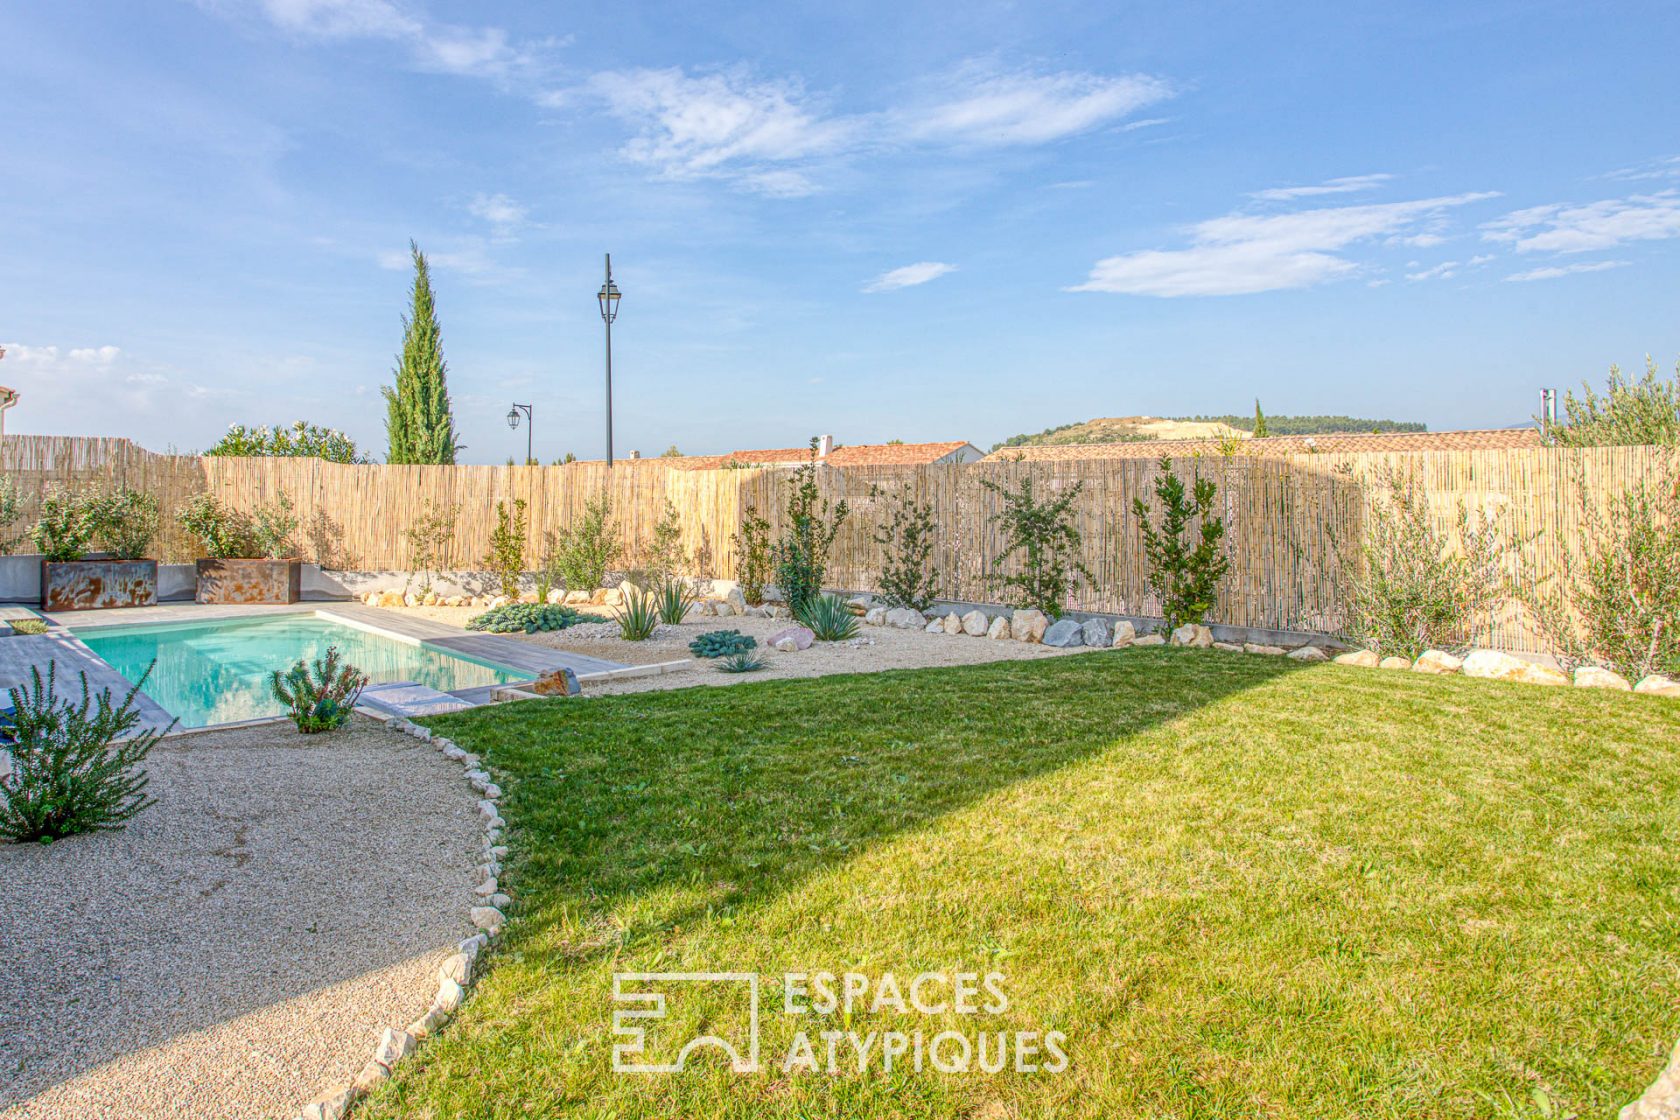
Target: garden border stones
column 456, row 973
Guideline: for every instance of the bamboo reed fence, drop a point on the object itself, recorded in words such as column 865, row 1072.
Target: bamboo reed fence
column 1291, row 523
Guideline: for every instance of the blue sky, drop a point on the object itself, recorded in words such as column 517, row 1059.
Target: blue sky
column 880, row 220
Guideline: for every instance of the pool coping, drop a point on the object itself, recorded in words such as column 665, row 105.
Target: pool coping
column 60, row 644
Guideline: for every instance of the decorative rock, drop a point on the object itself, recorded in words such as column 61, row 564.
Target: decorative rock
column 472, row 945
column 860, row 604
column 448, row 997
column 903, row 618
column 1396, row 663
column 736, row 600
column 1491, row 664
column 333, row 1106
column 1658, row 685
column 1028, row 625
column 1124, row 634
column 427, row 1025
column 372, row 1075
column 485, row 889
column 454, row 753
column 1227, row 647
column 574, row 598
column 499, row 851
column 394, row 1046
column 1438, row 662
column 1155, row 640
column 786, row 645
column 500, row 901
column 1264, row 650
column 390, row 599
column 1193, row 635
column 800, row 636
column 486, row 918
column 975, row 624
column 1362, row 658
column 1662, row 1100
column 1594, row 676
column 1309, row 654
column 999, row 629
column 1094, row 633
column 458, row 968
column 952, row 623
column 1065, row 634
column 937, row 626
column 875, row 616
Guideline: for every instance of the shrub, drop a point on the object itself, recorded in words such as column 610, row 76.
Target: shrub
column 69, row 772
column 743, row 662
column 125, row 521
column 1413, row 588
column 319, row 697
column 829, row 618
column 907, row 578
column 67, row 525
column 722, row 643
column 272, row 526
column 637, row 616
column 673, row 597
column 801, row 555
column 1185, row 575
column 224, row 533
column 582, row 552
column 1043, row 532
column 752, row 556
column 529, row 618
column 300, row 440
column 11, row 511
column 29, row 626
column 506, row 558
column 1646, row 411
column 666, row 557
column 428, row 540
column 1620, row 601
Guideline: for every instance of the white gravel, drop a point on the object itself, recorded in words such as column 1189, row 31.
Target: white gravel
column 878, row 648
column 239, row 947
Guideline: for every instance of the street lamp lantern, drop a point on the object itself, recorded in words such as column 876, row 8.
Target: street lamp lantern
column 608, row 298
column 530, row 426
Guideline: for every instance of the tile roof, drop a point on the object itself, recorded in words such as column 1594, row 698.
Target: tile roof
column 1328, row 443
column 893, row 454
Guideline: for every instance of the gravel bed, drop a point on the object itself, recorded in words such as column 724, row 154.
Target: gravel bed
column 877, row 648
column 240, row 946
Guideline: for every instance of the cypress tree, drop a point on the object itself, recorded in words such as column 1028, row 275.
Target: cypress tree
column 1259, row 420
column 419, row 426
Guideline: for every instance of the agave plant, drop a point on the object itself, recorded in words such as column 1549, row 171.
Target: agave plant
column 319, row 697
column 829, row 618
column 674, row 597
column 637, row 616
column 743, row 661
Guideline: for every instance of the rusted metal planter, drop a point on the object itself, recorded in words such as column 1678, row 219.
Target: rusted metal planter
column 249, row 581
column 94, row 585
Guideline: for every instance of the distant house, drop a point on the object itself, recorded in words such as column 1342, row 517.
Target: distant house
column 860, row 455
column 1327, row 443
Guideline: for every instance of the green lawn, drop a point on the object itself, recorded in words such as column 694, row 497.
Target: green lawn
column 1239, row 886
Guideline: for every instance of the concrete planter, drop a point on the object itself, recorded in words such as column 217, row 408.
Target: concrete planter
column 249, row 581
column 92, row 585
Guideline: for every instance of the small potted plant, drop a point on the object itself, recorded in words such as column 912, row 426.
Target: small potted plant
column 123, row 522
column 249, row 558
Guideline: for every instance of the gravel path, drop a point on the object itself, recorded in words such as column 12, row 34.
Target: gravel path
column 240, row 946
column 876, row 648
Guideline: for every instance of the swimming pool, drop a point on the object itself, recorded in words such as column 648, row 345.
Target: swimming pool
column 218, row 672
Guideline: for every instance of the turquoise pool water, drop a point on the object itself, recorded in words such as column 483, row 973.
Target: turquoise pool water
column 217, row 672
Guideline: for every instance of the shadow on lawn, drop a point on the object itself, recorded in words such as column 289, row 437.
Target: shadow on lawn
column 726, row 797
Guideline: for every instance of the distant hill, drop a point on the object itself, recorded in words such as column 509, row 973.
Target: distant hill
column 1137, row 429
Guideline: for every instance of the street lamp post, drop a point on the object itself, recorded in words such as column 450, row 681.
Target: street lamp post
column 530, row 426
column 608, row 298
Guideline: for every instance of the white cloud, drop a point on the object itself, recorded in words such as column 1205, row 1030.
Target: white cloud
column 1553, row 272
column 1668, row 167
column 1024, row 108
column 909, row 276
column 1242, row 253
column 1345, row 185
column 1561, row 228
column 726, row 124
column 476, row 52
column 497, row 209
column 1446, row 270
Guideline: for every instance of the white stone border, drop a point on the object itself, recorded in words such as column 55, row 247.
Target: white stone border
column 455, row 973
